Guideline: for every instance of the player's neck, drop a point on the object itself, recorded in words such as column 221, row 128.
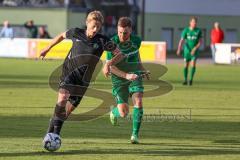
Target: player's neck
column 192, row 28
column 89, row 36
column 125, row 40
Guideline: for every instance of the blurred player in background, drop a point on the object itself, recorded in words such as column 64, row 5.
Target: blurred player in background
column 87, row 48
column 126, row 77
column 217, row 36
column 191, row 37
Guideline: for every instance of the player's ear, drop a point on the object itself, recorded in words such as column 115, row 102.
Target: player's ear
column 130, row 29
column 87, row 21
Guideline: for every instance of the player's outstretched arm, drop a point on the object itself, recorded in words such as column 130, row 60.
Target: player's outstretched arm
column 54, row 42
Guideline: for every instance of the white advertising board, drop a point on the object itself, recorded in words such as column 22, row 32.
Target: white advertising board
column 227, row 53
column 16, row 47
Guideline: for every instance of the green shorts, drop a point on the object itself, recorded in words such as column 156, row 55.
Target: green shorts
column 188, row 57
column 123, row 91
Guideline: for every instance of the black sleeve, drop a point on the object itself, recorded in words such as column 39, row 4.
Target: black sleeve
column 70, row 33
column 109, row 45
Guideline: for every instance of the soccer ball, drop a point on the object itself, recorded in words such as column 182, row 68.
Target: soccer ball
column 52, row 142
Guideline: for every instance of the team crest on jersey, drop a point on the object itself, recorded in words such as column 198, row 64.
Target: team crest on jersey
column 191, row 37
column 95, row 45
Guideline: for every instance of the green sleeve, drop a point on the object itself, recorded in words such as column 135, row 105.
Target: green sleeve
column 139, row 42
column 136, row 40
column 109, row 56
column 184, row 34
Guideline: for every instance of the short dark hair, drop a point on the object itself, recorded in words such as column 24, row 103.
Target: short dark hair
column 124, row 22
column 194, row 18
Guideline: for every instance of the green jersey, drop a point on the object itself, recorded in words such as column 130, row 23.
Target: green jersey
column 130, row 64
column 191, row 38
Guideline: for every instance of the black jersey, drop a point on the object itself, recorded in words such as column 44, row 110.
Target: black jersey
column 83, row 45
column 83, row 57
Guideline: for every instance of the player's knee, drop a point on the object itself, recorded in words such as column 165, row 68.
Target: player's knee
column 64, row 97
column 138, row 103
column 63, row 94
column 62, row 100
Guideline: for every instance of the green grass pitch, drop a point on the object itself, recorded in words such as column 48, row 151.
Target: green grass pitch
column 201, row 122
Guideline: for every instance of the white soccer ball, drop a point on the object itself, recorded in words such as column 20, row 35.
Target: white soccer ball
column 52, row 142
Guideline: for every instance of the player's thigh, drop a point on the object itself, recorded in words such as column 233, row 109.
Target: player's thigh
column 187, row 59
column 121, row 94
column 136, row 86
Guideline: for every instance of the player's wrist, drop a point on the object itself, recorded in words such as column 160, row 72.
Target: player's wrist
column 131, row 76
column 125, row 75
column 109, row 63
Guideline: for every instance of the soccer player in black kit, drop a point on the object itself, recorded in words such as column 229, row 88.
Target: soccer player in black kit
column 87, row 48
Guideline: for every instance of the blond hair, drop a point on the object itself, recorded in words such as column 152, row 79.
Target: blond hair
column 95, row 15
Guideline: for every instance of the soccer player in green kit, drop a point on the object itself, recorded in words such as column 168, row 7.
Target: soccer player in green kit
column 126, row 77
column 192, row 39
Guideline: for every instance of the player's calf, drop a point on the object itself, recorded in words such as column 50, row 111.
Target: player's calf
column 121, row 110
column 57, row 120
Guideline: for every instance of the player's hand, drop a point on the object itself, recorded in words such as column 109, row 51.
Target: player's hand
column 146, row 74
column 131, row 77
column 178, row 52
column 106, row 70
column 43, row 53
column 193, row 51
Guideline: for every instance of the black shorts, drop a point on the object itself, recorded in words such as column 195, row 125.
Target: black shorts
column 74, row 82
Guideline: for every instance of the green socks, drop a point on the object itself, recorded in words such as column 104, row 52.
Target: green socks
column 185, row 72
column 137, row 119
column 115, row 112
column 193, row 70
